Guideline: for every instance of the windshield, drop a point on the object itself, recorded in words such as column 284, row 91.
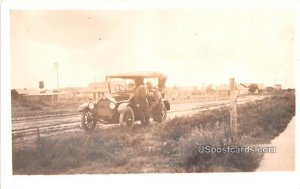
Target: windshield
column 130, row 84
column 121, row 85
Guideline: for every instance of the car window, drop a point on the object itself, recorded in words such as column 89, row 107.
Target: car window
column 119, row 85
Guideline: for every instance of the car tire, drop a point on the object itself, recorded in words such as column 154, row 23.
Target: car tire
column 87, row 121
column 127, row 117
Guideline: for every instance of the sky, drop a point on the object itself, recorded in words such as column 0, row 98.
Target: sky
column 193, row 47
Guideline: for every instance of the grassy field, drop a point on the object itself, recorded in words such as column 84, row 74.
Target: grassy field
column 26, row 109
column 171, row 147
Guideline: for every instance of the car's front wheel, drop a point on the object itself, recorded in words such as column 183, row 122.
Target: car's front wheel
column 88, row 123
column 127, row 117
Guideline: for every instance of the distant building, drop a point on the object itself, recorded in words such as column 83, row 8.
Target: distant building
column 268, row 90
column 223, row 90
column 32, row 95
column 242, row 89
column 18, row 94
column 277, row 87
column 95, row 90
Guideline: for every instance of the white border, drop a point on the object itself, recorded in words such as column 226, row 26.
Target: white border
column 146, row 4
column 6, row 147
column 214, row 180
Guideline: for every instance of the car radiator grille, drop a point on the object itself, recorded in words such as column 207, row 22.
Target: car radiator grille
column 103, row 108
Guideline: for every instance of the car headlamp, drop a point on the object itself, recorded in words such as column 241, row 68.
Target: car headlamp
column 112, row 105
column 91, row 106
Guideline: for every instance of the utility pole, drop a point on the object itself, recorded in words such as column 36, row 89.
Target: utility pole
column 233, row 112
column 57, row 79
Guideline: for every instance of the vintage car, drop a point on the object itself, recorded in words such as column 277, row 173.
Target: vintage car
column 118, row 105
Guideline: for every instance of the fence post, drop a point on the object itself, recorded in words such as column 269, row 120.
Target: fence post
column 233, row 112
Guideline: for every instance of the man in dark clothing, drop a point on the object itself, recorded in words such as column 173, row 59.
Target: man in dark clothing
column 156, row 107
column 141, row 102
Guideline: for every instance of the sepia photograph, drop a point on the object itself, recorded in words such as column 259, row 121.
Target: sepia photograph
column 152, row 90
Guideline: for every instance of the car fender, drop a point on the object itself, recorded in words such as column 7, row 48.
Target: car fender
column 83, row 106
column 122, row 106
column 167, row 104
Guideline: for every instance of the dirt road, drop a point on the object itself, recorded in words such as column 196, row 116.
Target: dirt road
column 284, row 158
column 23, row 127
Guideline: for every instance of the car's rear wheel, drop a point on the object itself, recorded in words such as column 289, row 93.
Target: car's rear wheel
column 127, row 117
column 159, row 114
column 88, row 123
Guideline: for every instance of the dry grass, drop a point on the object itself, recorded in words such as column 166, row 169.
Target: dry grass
column 53, row 155
column 266, row 118
column 190, row 160
column 169, row 147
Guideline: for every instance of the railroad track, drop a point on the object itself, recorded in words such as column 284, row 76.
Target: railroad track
column 27, row 130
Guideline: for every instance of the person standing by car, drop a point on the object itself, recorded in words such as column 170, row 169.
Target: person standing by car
column 156, row 106
column 142, row 103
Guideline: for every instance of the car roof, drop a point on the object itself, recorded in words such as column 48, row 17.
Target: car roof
column 132, row 75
